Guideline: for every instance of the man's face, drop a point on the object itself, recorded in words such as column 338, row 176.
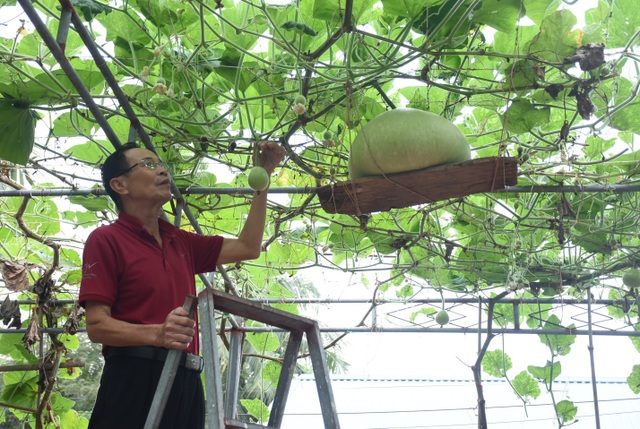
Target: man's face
column 147, row 181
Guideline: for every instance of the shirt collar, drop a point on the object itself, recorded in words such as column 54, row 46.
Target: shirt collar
column 134, row 224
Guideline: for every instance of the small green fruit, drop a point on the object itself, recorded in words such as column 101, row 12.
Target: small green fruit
column 327, row 135
column 631, row 278
column 442, row 318
column 300, row 99
column 258, row 179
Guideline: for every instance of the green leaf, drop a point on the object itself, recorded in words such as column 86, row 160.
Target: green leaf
column 87, row 152
column 453, row 29
column 538, row 9
column 91, row 202
column 133, row 54
column 560, row 345
column 522, row 116
column 408, row 8
column 256, row 408
column 72, row 124
column 163, row 13
column 496, row 363
column 333, row 10
column 557, row 38
column 126, row 27
column 263, row 341
column 429, row 312
column 633, row 380
column 54, row 86
column 627, row 119
column 499, row 14
column 71, row 420
column 623, row 22
column 566, row 411
column 596, row 147
column 526, row 386
column 71, row 342
column 60, row 404
column 271, row 372
column 636, row 340
column 546, row 373
column 8, row 342
column 90, row 9
column 17, row 131
column 21, row 389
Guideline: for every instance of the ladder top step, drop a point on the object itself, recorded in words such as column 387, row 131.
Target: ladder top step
column 260, row 312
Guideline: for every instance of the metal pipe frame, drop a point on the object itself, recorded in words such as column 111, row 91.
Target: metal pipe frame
column 63, row 192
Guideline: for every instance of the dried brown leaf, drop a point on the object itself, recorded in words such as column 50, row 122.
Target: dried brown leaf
column 16, row 276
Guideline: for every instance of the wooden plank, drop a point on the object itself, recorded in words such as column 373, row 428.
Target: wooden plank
column 383, row 193
column 228, row 303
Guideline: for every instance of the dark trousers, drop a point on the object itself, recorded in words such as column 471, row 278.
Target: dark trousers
column 126, row 391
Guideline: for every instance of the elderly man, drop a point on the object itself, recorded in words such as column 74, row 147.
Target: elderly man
column 136, row 275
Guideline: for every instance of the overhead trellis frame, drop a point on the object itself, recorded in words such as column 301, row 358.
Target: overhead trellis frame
column 541, row 189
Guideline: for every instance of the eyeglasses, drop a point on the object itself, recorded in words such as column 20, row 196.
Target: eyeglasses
column 147, row 163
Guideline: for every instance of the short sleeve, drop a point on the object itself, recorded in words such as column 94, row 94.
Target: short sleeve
column 99, row 269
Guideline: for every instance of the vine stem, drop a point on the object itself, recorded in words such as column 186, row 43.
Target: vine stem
column 50, row 384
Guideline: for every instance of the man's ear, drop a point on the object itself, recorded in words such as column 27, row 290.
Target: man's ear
column 119, row 184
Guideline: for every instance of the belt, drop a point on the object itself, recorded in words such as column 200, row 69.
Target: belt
column 159, row 354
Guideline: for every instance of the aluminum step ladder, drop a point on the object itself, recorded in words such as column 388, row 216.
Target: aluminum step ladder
column 221, row 409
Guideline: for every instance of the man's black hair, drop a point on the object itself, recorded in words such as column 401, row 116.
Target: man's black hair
column 113, row 166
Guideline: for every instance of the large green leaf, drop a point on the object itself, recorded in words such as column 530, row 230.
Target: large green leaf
column 44, row 88
column 546, row 373
column 557, row 38
column 17, row 130
column 525, row 385
column 522, row 116
column 496, row 363
column 499, row 14
column 633, row 380
column 560, row 345
column 566, row 410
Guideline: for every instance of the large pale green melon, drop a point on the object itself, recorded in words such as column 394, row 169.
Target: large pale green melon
column 402, row 140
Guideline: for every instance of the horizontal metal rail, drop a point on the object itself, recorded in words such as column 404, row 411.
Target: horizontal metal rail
column 323, row 301
column 63, row 192
column 396, row 330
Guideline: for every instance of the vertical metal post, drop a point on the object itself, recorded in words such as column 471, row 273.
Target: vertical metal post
column 234, row 368
column 323, row 382
column 168, row 375
column 212, row 370
column 286, row 376
column 596, row 407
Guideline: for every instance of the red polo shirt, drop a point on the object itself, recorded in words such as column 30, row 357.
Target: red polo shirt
column 125, row 268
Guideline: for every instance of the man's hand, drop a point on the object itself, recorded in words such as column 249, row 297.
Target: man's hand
column 270, row 155
column 178, row 330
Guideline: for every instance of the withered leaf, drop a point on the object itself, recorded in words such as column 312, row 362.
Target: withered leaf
column 32, row 335
column 10, row 313
column 16, row 276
